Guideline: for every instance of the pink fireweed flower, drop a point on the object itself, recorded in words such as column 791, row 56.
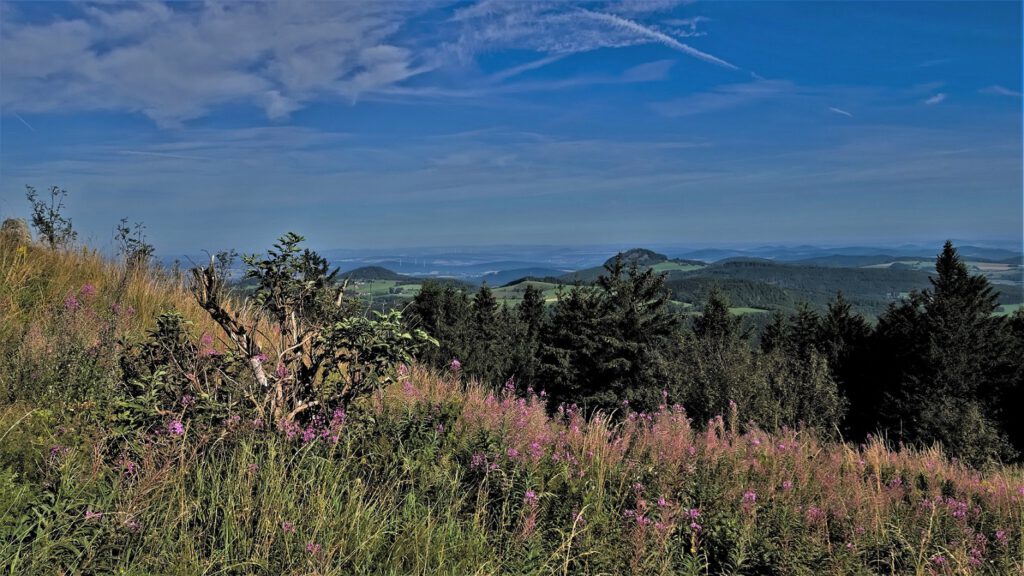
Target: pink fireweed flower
column 281, row 370
column 693, row 513
column 478, row 461
column 512, row 453
column 530, row 497
column 90, row 515
column 939, row 560
column 312, row 547
column 287, row 527
column 87, row 290
column 206, row 347
column 261, row 358
column 662, row 502
column 455, row 365
column 71, row 303
column 175, row 428
column 787, row 485
column 814, row 514
column 749, row 497
column 403, row 370
column 188, row 400
column 1001, row 536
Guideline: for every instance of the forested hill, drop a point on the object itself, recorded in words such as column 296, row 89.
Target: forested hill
column 375, row 273
column 868, row 283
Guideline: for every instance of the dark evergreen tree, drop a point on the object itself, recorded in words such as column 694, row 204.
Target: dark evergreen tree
column 444, row 312
column 611, row 343
column 716, row 325
column 531, row 311
column 952, row 368
column 774, row 334
column 802, row 332
column 843, row 339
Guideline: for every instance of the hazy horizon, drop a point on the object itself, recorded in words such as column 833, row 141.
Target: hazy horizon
column 403, row 125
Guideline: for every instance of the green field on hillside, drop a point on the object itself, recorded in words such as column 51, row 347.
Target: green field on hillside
column 675, row 267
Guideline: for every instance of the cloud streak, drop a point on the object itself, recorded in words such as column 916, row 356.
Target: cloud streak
column 658, row 37
column 937, row 99
column 839, row 111
column 1000, row 91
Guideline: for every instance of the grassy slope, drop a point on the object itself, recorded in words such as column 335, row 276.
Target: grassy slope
column 440, row 476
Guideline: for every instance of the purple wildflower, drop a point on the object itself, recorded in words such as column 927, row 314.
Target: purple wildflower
column 71, row 303
column 312, row 547
column 455, row 365
column 90, row 515
column 287, row 527
column 175, row 428
column 530, row 497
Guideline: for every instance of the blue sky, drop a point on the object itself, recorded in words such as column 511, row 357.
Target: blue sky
column 372, row 124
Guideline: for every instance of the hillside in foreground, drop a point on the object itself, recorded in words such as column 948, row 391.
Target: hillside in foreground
column 106, row 467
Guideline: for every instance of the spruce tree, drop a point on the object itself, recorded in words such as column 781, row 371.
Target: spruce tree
column 843, row 338
column 955, row 369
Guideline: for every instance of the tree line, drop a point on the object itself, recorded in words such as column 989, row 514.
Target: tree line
column 938, row 366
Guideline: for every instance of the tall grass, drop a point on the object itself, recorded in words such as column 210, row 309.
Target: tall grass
column 436, row 475
column 64, row 313
column 440, row 477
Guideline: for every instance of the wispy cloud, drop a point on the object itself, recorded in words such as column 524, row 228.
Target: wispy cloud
column 937, row 99
column 158, row 155
column 1000, row 91
column 281, row 56
column 839, row 111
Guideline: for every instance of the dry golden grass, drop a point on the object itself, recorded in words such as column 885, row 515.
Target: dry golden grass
column 35, row 283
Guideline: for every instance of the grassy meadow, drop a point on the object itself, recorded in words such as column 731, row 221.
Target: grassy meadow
column 433, row 474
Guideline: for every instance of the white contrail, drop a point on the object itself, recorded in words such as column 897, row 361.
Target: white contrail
column 23, row 121
column 657, row 37
column 840, row 111
column 532, row 65
column 936, row 99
